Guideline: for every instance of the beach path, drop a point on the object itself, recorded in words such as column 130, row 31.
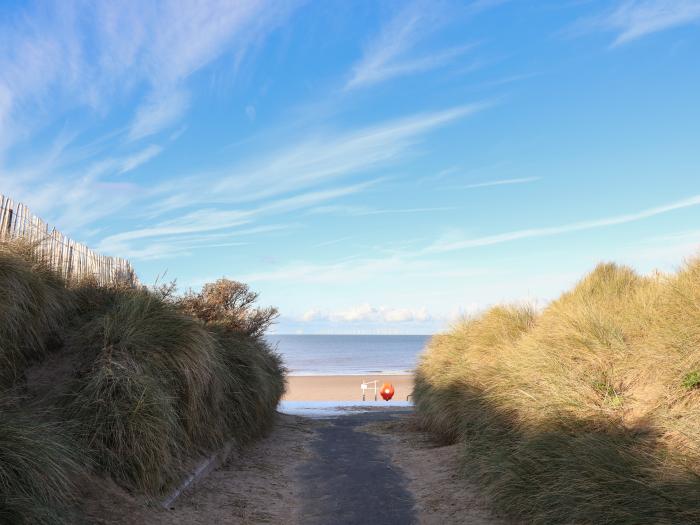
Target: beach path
column 373, row 467
column 349, row 477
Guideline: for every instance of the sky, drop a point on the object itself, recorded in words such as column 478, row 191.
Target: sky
column 366, row 166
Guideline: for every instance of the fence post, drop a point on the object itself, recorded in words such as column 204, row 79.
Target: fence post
column 9, row 222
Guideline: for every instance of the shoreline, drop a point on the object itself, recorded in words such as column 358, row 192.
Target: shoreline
column 344, row 387
column 369, row 374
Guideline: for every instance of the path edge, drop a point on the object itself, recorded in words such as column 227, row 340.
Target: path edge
column 203, row 469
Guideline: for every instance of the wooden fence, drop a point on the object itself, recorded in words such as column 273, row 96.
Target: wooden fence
column 74, row 261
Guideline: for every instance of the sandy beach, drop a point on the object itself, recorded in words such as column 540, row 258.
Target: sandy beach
column 343, row 388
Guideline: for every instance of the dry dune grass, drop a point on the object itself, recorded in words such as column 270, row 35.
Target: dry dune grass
column 38, row 466
column 139, row 385
column 587, row 412
column 33, row 306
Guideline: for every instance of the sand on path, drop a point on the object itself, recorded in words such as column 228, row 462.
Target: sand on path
column 433, row 471
column 258, row 485
column 374, row 467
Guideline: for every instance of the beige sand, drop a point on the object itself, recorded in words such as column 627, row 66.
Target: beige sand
column 344, row 388
column 257, row 486
column 261, row 484
column 442, row 495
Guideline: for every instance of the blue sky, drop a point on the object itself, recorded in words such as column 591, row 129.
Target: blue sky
column 376, row 167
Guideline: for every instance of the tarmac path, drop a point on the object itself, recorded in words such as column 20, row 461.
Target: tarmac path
column 350, row 480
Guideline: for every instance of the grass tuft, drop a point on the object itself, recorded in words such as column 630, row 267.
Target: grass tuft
column 583, row 413
column 157, row 385
column 34, row 305
column 691, row 380
column 129, row 382
column 38, row 464
column 127, row 421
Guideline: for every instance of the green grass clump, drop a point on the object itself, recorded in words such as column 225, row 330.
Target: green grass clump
column 581, row 413
column 691, row 380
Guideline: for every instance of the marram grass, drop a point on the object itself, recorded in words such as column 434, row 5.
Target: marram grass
column 586, row 412
column 38, row 465
column 34, row 304
column 156, row 386
column 140, row 391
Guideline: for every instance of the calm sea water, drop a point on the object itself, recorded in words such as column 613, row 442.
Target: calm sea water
column 349, row 354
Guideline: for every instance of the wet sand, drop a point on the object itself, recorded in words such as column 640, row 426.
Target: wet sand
column 344, row 388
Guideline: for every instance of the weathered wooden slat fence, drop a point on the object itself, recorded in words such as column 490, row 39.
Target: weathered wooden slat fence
column 73, row 260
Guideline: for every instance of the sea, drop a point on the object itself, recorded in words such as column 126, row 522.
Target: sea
column 349, row 354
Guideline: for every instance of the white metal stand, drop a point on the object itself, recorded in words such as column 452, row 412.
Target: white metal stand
column 369, row 385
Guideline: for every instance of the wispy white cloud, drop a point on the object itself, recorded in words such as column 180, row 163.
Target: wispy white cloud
column 387, row 56
column 281, row 184
column 461, row 244
column 310, row 199
column 661, row 252
column 359, row 211
column 157, row 114
column 239, row 232
column 206, row 220
column 353, row 270
column 181, row 245
column 415, row 262
column 685, row 235
column 137, row 159
column 196, row 221
column 308, row 163
column 393, row 52
column 390, row 211
column 5, row 106
column 165, row 43
column 97, row 58
column 378, row 68
column 333, row 241
column 336, row 154
column 368, row 313
column 635, row 19
column 502, row 182
column 73, row 54
column 337, row 209
column 70, row 201
column 100, row 56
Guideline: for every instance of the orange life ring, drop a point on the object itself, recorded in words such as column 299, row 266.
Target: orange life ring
column 387, row 391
